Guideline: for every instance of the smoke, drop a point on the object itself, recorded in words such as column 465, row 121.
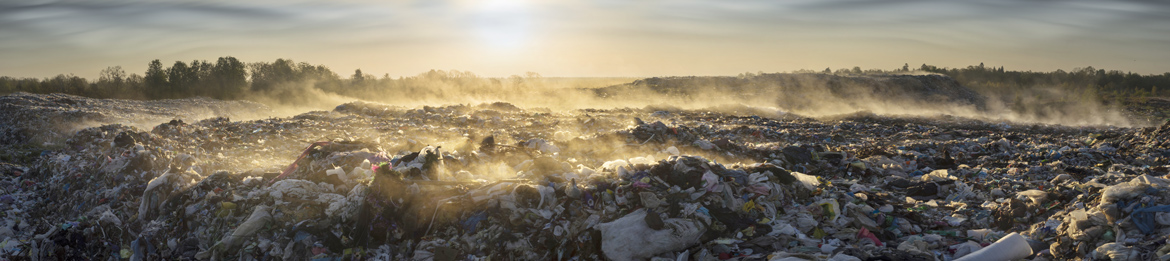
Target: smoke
column 769, row 95
column 526, row 92
column 1052, row 105
column 590, row 120
column 293, row 98
column 824, row 95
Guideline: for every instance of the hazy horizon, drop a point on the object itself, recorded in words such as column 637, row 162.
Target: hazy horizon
column 498, row 38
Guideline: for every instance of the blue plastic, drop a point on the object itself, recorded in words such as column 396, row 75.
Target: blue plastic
column 1144, row 217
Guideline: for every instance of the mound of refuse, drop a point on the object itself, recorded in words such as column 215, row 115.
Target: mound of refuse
column 48, row 117
column 369, row 181
column 811, row 93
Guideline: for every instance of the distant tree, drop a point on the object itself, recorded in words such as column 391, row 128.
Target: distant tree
column 7, row 84
column 906, row 67
column 134, row 87
column 285, row 80
column 357, row 76
column 228, row 78
column 265, row 76
column 155, row 79
column 828, row 70
column 1141, row 93
column 856, row 70
column 931, row 68
column 112, row 74
column 199, row 80
column 111, row 83
column 180, row 78
column 66, row 84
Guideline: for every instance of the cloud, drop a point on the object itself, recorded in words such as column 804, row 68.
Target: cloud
column 49, row 37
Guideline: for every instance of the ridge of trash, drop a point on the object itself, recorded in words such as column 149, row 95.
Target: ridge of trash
column 818, row 92
column 49, row 117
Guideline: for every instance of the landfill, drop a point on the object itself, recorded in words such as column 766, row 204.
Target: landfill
column 493, row 181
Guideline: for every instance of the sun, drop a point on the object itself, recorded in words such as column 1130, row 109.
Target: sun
column 503, row 24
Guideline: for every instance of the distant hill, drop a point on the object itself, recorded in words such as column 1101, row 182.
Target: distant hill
column 812, row 92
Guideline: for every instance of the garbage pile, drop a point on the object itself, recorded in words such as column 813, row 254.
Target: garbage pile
column 49, row 117
column 818, row 93
column 496, row 182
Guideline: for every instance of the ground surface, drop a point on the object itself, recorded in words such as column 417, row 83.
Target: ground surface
column 494, row 180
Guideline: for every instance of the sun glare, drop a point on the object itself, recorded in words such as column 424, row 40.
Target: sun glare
column 503, row 23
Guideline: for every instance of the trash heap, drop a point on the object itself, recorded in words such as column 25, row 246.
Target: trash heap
column 496, row 182
column 44, row 117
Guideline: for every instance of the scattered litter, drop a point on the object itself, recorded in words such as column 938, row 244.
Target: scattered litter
column 494, row 182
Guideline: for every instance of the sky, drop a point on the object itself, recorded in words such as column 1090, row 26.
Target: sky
column 578, row 38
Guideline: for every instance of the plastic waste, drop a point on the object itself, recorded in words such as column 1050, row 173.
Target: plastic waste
column 965, row 248
column 1145, row 218
column 1010, row 247
column 979, row 234
column 259, row 218
column 543, row 185
column 810, row 182
column 629, row 238
column 1115, row 251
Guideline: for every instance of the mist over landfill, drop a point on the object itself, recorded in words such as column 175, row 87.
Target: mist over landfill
column 684, row 130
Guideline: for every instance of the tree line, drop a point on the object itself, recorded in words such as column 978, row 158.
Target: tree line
column 1106, row 83
column 228, row 78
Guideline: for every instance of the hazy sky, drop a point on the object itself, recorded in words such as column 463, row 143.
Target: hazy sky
column 585, row 38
